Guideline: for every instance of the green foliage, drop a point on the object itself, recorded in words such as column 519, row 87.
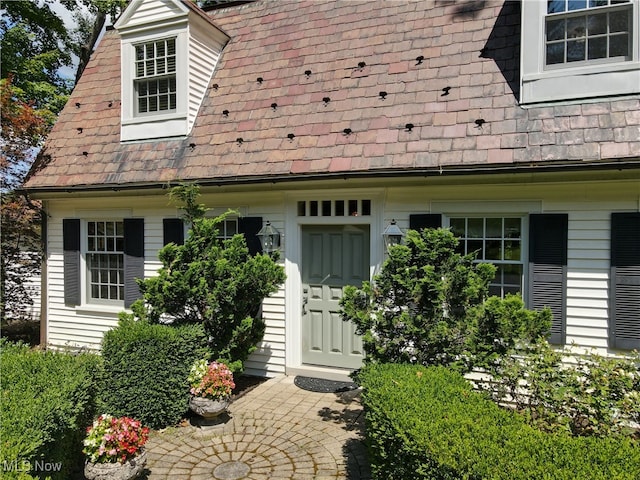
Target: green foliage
column 504, row 325
column 146, row 368
column 427, row 306
column 48, row 399
column 213, row 283
column 428, row 423
column 580, row 394
column 35, row 46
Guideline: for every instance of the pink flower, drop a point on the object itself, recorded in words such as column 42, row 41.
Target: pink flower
column 115, row 439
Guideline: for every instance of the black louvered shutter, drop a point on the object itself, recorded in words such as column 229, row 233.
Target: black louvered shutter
column 172, row 231
column 548, row 269
column 71, row 260
column 249, row 227
column 624, row 330
column 133, row 258
column 418, row 221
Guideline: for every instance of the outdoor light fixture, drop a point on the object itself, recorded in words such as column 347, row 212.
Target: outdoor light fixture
column 269, row 238
column 392, row 235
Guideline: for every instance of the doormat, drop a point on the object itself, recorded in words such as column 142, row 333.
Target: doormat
column 321, row 385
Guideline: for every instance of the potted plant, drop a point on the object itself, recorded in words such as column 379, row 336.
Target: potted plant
column 114, row 448
column 211, row 385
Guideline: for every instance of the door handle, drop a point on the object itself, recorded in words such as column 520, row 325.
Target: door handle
column 305, row 300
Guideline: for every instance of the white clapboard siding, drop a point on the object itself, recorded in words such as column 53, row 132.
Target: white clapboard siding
column 205, row 45
column 270, row 357
column 588, row 274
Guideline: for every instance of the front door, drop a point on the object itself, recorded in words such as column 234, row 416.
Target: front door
column 333, row 256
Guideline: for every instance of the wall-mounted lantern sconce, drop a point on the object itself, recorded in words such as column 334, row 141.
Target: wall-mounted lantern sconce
column 269, row 238
column 392, row 235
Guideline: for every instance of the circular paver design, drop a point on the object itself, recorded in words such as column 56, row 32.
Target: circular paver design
column 276, row 431
column 289, row 451
column 231, row 471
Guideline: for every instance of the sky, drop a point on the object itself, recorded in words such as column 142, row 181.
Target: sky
column 67, row 18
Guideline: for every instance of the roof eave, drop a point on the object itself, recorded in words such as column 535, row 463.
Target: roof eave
column 441, row 171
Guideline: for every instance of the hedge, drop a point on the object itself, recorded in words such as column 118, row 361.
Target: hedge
column 146, row 368
column 48, row 400
column 428, row 423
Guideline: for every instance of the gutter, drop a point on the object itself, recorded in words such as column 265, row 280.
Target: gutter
column 454, row 171
column 44, row 275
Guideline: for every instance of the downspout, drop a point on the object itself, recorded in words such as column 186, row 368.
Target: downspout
column 44, row 294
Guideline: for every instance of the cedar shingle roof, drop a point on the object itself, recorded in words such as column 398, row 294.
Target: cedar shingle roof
column 445, row 69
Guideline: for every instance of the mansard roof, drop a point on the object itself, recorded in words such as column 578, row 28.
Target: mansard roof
column 315, row 89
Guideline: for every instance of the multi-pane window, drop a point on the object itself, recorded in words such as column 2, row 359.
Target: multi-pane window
column 227, row 228
column 587, row 31
column 155, row 76
column 497, row 240
column 105, row 259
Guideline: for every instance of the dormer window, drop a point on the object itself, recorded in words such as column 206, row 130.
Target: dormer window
column 155, row 81
column 579, row 32
column 158, row 40
column 579, row 49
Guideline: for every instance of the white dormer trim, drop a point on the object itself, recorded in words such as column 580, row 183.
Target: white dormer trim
column 143, row 15
column 198, row 46
column 573, row 82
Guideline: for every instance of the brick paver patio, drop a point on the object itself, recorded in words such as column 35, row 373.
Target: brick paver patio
column 275, row 431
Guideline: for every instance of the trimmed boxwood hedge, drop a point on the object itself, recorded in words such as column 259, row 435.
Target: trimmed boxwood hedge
column 428, row 423
column 48, row 400
column 146, row 368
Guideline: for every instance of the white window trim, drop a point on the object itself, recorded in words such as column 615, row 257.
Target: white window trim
column 524, row 236
column 538, row 84
column 89, row 303
column 157, row 124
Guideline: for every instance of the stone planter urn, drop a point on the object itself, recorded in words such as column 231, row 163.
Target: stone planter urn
column 208, row 408
column 128, row 470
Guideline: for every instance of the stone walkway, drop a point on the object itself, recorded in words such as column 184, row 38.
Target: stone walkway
column 274, row 431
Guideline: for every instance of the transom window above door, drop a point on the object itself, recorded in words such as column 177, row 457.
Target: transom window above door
column 497, row 240
column 334, row 208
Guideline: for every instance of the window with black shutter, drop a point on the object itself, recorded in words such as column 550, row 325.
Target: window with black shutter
column 418, row 221
column 114, row 259
column 71, row 260
column 249, row 227
column 172, row 231
column 624, row 328
column 133, row 258
column 548, row 269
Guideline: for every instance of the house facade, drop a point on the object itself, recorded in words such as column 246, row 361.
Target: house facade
column 330, row 120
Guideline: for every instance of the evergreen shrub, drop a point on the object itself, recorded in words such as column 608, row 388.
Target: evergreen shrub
column 214, row 283
column 429, row 305
column 428, row 423
column 146, row 368
column 48, row 400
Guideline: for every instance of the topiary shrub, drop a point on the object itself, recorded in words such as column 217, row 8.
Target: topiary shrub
column 212, row 283
column 48, row 399
column 427, row 306
column 146, row 368
column 428, row 423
